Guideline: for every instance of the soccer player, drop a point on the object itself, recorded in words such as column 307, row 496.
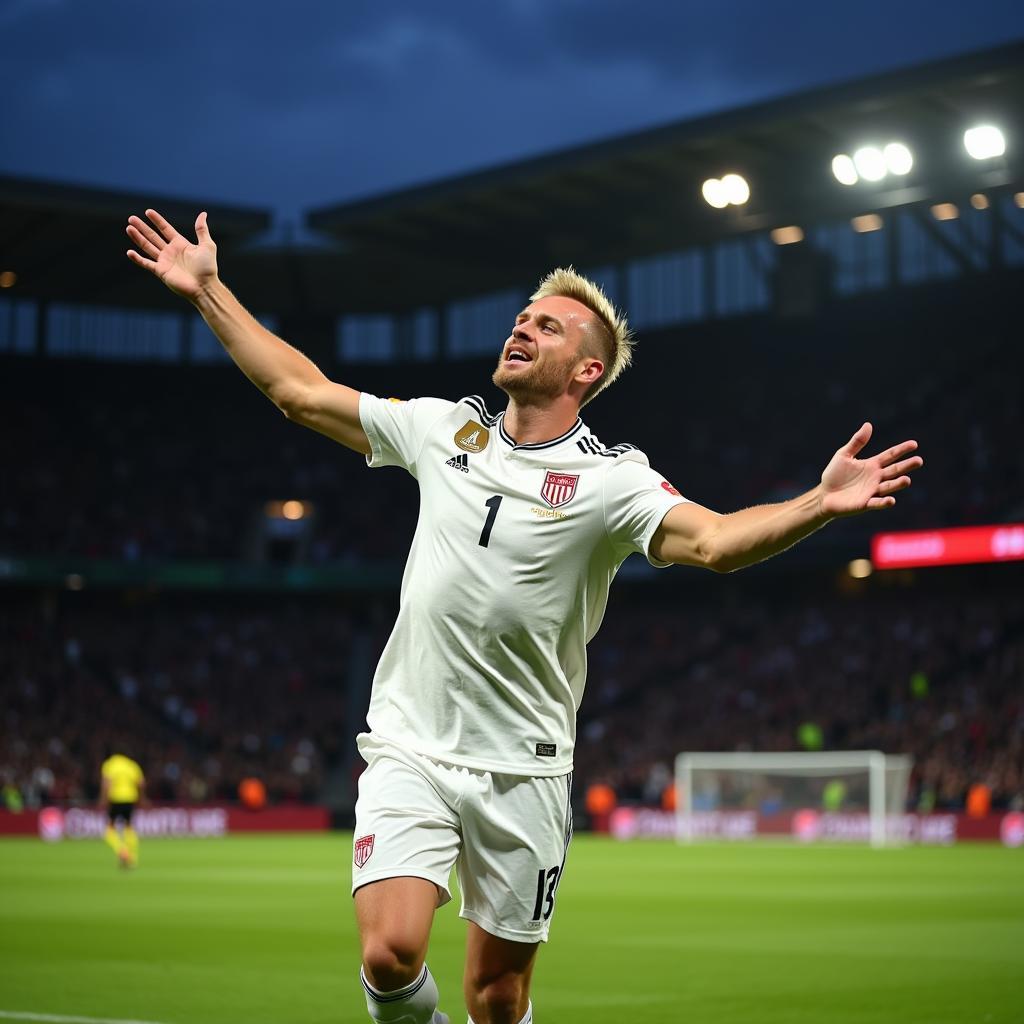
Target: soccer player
column 122, row 786
column 524, row 519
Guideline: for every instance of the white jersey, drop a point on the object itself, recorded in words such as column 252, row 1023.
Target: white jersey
column 507, row 580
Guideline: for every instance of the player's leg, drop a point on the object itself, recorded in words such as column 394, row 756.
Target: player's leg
column 516, row 834
column 130, row 836
column 394, row 917
column 406, row 841
column 497, row 978
column 112, row 836
column 112, row 839
column 131, row 844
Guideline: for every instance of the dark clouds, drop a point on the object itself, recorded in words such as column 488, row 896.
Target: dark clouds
column 294, row 104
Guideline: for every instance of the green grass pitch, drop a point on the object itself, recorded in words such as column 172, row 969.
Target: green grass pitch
column 259, row 930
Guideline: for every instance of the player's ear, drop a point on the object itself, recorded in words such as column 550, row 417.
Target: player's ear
column 590, row 370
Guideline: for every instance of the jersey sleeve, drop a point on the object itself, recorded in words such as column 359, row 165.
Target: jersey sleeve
column 636, row 499
column 397, row 430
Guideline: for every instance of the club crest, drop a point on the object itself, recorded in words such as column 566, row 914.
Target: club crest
column 363, row 849
column 559, row 488
column 472, row 437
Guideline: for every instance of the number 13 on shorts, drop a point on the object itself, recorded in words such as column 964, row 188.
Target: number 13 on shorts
column 547, row 882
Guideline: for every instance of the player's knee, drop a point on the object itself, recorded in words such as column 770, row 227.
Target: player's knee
column 390, row 964
column 499, row 1000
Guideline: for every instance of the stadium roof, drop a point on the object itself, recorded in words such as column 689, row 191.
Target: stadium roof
column 67, row 242
column 638, row 194
column 623, row 198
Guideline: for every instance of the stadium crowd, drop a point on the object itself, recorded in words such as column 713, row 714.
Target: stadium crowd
column 202, row 697
column 139, row 463
column 913, row 672
column 187, row 472
column 209, row 695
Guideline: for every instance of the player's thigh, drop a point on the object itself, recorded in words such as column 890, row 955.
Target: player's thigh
column 120, row 813
column 516, row 834
column 394, row 917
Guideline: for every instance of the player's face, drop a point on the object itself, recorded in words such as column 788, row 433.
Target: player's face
column 545, row 350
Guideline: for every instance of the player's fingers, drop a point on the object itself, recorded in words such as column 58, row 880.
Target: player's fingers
column 142, row 241
column 857, row 442
column 203, row 230
column 899, row 468
column 144, row 229
column 875, row 503
column 897, row 452
column 891, row 486
column 141, row 261
column 162, row 225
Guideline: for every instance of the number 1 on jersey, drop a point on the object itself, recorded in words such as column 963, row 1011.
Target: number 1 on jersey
column 485, row 533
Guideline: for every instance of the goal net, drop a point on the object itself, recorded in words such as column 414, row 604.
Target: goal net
column 854, row 794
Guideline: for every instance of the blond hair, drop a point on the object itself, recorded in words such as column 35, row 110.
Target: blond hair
column 615, row 337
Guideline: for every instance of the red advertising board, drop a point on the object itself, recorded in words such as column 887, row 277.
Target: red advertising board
column 54, row 823
column 808, row 826
column 961, row 545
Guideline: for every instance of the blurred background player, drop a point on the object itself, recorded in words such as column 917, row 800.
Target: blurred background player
column 122, row 786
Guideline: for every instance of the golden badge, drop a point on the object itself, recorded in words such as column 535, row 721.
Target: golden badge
column 472, row 437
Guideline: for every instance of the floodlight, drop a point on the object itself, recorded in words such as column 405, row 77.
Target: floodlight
column 866, row 222
column 736, row 189
column 788, row 235
column 714, row 194
column 870, row 163
column 843, row 169
column 984, row 142
column 898, row 158
column 860, row 568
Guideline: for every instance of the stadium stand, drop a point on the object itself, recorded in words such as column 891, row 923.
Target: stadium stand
column 204, row 693
column 903, row 670
column 140, row 463
column 717, row 664
column 210, row 691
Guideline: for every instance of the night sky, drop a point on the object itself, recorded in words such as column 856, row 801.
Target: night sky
column 297, row 104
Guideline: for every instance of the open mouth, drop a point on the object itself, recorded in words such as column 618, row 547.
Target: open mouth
column 517, row 355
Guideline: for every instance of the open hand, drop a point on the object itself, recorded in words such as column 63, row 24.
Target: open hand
column 185, row 268
column 850, row 485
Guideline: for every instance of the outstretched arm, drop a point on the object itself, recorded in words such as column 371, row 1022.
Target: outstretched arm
column 290, row 380
column 693, row 535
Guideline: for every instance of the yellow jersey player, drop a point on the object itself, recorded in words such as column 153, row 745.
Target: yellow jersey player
column 122, row 786
column 525, row 517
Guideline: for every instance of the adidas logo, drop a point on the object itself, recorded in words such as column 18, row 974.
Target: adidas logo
column 459, row 462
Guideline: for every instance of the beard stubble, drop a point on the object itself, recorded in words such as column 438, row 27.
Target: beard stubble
column 543, row 380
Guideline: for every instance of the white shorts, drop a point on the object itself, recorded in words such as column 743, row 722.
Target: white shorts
column 506, row 835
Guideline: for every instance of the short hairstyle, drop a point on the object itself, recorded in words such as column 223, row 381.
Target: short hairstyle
column 615, row 336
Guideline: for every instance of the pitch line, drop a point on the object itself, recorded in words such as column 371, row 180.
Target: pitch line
column 54, row 1018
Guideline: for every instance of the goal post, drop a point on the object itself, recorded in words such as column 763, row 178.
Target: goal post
column 865, row 783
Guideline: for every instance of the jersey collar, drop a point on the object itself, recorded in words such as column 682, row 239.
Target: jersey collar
column 504, row 435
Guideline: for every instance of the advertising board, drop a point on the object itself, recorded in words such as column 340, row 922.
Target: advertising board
column 54, row 823
column 809, row 826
